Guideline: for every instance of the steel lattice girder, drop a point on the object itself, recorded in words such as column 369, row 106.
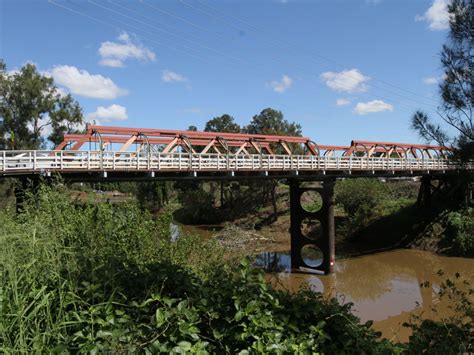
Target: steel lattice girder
column 221, row 142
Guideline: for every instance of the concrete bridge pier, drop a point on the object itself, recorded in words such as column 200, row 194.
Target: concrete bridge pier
column 324, row 239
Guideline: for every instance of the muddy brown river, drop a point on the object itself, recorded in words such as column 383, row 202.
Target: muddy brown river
column 384, row 287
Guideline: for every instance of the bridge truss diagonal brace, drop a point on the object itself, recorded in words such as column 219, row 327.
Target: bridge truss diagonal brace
column 326, row 240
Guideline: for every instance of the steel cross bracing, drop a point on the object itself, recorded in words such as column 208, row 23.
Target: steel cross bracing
column 126, row 150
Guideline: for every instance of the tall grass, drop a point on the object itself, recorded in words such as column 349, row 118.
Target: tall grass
column 58, row 258
column 106, row 278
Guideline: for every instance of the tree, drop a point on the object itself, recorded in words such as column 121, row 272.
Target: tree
column 457, row 89
column 224, row 123
column 192, row 128
column 29, row 104
column 271, row 121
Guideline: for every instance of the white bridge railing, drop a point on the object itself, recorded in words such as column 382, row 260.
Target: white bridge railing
column 79, row 161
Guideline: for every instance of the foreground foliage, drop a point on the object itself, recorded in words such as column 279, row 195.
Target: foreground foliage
column 449, row 335
column 107, row 278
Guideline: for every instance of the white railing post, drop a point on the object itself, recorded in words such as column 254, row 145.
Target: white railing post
column 4, row 161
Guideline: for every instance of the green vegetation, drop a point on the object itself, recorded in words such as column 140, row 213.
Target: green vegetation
column 460, row 230
column 457, row 91
column 365, row 200
column 107, row 278
column 29, row 103
column 449, row 335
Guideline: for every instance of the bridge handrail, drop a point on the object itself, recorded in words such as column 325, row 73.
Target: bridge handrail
column 50, row 160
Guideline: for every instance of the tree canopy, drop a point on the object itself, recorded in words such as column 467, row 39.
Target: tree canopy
column 271, row 121
column 31, row 107
column 456, row 89
column 224, row 123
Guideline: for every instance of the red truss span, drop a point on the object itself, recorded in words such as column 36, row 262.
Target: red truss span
column 121, row 139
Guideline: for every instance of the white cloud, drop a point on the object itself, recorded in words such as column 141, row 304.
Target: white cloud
column 363, row 108
column 169, row 76
column 110, row 62
column 342, row 102
column 113, row 54
column 106, row 114
column 281, row 86
column 432, row 80
column 82, row 83
column 346, row 81
column 437, row 15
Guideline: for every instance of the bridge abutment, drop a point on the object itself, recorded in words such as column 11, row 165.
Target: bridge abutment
column 325, row 239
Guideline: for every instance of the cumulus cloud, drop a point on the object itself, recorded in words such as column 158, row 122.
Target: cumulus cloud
column 107, row 114
column 342, row 102
column 437, row 15
column 281, row 86
column 363, row 108
column 114, row 54
column 82, row 83
column 169, row 76
column 346, row 81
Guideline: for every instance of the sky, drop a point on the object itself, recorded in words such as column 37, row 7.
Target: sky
column 343, row 69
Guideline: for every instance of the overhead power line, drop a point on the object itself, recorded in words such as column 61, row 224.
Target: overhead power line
column 311, row 53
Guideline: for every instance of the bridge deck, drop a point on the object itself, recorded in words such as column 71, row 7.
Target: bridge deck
column 70, row 162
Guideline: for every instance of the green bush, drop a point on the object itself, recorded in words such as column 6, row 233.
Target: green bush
column 361, row 199
column 460, row 230
column 107, row 278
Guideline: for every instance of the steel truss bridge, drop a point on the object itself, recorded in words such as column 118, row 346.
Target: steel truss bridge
column 132, row 153
column 116, row 153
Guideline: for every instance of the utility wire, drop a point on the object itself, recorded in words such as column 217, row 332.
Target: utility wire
column 309, row 52
column 186, row 53
column 165, row 31
column 122, row 29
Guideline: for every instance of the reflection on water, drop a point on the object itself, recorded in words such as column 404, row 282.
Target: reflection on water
column 384, row 287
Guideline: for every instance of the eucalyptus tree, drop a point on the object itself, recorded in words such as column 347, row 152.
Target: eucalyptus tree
column 34, row 110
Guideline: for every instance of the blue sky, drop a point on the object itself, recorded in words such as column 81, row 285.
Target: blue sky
column 344, row 70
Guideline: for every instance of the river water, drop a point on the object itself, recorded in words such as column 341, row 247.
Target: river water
column 384, row 287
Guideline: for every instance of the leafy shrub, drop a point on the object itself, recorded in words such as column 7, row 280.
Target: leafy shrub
column 361, row 199
column 460, row 230
column 197, row 206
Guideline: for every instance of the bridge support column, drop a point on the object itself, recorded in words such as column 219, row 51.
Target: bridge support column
column 325, row 241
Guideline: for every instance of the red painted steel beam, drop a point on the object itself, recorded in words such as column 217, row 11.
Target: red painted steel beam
column 193, row 134
column 80, row 138
column 121, row 135
column 401, row 145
